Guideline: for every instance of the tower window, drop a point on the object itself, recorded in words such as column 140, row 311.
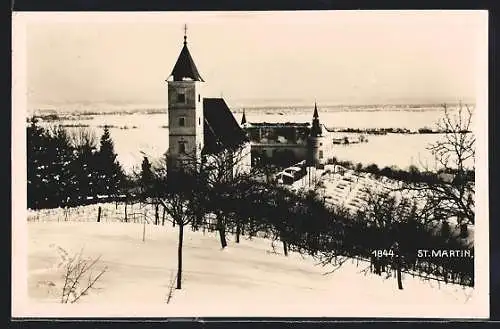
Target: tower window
column 182, row 121
column 182, row 147
column 320, row 144
column 199, row 98
column 181, row 98
column 321, row 154
column 199, row 121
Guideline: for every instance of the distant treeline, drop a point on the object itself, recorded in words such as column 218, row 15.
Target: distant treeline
column 118, row 127
column 82, row 125
column 385, row 131
column 59, row 117
column 351, row 108
column 53, row 115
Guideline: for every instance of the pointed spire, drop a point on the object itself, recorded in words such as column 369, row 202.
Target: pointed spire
column 315, row 115
column 316, row 127
column 185, row 67
column 185, row 34
column 243, row 118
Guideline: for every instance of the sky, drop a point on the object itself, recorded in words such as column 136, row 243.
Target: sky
column 356, row 57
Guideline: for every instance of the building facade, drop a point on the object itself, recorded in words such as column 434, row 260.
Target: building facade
column 287, row 143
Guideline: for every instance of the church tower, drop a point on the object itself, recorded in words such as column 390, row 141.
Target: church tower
column 317, row 141
column 185, row 111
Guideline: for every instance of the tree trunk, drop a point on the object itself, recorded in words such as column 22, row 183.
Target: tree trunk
column 400, row 281
column 99, row 214
column 222, row 232
column 285, row 248
column 173, row 222
column 163, row 218
column 238, row 231
column 157, row 215
column 179, row 256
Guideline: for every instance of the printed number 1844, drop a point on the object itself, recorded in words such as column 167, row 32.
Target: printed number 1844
column 382, row 253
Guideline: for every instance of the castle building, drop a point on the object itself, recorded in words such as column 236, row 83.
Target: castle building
column 290, row 142
column 200, row 128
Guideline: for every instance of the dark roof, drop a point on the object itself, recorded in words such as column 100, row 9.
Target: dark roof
column 185, row 67
column 221, row 130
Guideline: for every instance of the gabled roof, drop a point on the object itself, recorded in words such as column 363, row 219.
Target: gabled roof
column 185, row 67
column 221, row 130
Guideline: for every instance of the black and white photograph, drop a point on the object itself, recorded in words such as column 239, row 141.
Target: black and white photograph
column 243, row 164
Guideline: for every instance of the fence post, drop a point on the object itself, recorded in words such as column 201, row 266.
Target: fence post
column 99, row 214
column 126, row 220
column 144, row 231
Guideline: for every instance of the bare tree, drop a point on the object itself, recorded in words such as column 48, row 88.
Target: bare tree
column 83, row 138
column 220, row 172
column 386, row 214
column 179, row 194
column 452, row 193
column 78, row 269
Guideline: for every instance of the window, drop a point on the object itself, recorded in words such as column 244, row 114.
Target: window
column 181, row 98
column 199, row 121
column 321, row 154
column 182, row 147
column 199, row 98
column 182, row 121
column 320, row 144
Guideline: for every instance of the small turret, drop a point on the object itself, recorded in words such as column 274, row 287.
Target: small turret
column 316, row 140
column 316, row 126
column 243, row 118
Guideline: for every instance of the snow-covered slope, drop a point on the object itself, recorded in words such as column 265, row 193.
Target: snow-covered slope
column 246, row 279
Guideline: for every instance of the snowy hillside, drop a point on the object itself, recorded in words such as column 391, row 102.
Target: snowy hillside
column 349, row 190
column 246, row 279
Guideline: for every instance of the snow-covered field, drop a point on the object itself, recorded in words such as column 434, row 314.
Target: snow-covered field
column 392, row 149
column 246, row 279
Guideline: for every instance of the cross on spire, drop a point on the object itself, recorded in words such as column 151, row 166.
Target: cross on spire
column 185, row 33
